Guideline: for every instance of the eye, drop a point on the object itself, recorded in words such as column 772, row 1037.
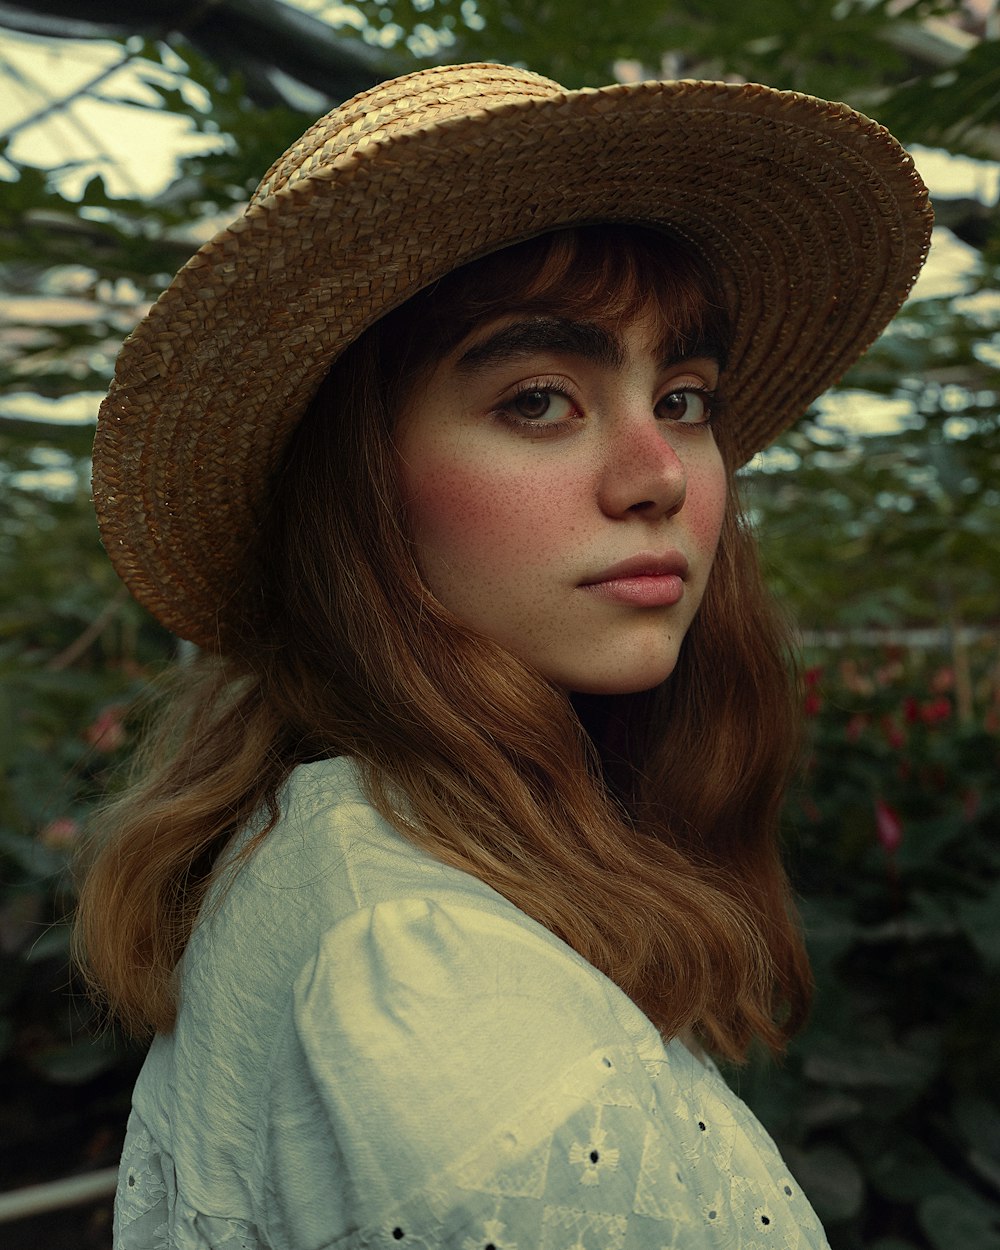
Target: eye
column 689, row 406
column 539, row 402
column 540, row 408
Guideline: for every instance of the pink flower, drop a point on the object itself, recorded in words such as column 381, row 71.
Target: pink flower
column 107, row 732
column 59, row 834
column 888, row 673
column 943, row 680
column 854, row 679
column 888, row 827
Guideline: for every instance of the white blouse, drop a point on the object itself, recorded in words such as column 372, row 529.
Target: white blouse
column 376, row 1050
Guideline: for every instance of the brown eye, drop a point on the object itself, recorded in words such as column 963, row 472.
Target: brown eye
column 533, row 404
column 539, row 408
column 691, row 407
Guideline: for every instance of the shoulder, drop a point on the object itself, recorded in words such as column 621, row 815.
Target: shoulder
column 329, row 841
column 419, row 959
column 438, row 1058
column 420, row 1027
column 329, row 857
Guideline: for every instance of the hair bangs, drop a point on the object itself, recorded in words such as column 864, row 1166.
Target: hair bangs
column 607, row 275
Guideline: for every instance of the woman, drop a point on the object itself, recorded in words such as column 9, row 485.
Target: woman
column 458, row 850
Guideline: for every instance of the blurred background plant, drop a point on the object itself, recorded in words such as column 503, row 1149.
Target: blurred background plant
column 879, row 516
column 886, row 1108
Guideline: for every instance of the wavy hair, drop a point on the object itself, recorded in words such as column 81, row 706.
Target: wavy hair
column 641, row 829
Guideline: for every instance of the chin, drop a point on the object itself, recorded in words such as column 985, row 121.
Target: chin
column 619, row 681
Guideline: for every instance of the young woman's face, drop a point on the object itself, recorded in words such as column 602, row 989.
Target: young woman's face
column 565, row 495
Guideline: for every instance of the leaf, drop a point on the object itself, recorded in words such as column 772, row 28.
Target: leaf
column 860, row 1066
column 76, row 1062
column 981, row 920
column 978, row 1119
column 904, row 1170
column 31, row 856
column 832, row 1179
column 945, row 109
column 952, row 1220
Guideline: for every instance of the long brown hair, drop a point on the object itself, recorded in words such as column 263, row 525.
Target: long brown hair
column 648, row 844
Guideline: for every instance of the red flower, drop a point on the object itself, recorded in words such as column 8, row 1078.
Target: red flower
column 936, row 711
column 911, row 710
column 888, row 827
column 893, row 733
column 812, row 703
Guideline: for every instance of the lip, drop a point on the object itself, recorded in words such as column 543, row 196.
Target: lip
column 645, row 580
column 671, row 563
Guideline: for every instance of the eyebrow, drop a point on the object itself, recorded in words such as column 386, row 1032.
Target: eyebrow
column 543, row 334
column 563, row 336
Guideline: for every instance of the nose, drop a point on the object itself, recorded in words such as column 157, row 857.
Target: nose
column 641, row 472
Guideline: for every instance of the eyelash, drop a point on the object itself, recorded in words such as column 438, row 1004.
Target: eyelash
column 506, row 412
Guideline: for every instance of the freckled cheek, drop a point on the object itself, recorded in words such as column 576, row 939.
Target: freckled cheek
column 458, row 512
column 705, row 505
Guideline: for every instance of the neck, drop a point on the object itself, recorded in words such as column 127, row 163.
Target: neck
column 604, row 719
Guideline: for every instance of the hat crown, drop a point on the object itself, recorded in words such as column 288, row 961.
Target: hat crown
column 426, row 97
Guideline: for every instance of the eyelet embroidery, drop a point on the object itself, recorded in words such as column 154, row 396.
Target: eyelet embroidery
column 574, row 1172
column 492, row 1238
column 595, row 1155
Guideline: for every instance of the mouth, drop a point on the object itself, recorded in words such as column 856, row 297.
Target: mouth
column 647, row 581
column 670, row 564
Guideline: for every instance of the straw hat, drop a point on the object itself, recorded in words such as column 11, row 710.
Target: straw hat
column 811, row 216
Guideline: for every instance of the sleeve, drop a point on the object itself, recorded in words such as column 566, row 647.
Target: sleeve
column 449, row 1078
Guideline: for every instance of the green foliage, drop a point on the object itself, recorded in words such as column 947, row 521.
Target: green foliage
column 74, row 653
column 100, row 259
column 903, row 526
column 888, row 1106
column 951, row 109
column 861, row 51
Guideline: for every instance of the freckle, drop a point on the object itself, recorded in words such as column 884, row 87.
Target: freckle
column 705, row 504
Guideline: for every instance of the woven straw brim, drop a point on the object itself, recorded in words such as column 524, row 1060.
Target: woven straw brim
column 811, row 216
